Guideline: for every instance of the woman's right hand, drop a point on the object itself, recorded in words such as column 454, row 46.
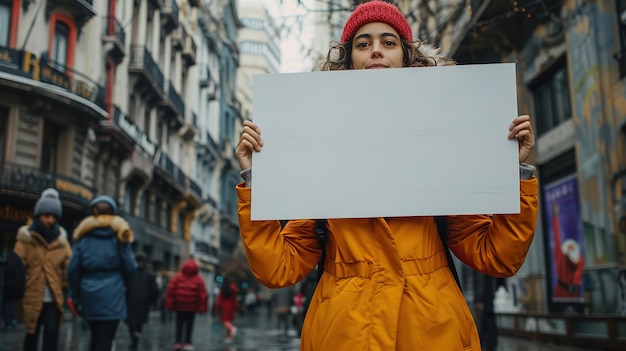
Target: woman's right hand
column 250, row 140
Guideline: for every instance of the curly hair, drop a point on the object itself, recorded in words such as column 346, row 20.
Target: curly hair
column 415, row 54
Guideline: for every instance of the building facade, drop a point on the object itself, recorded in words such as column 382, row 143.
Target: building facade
column 124, row 98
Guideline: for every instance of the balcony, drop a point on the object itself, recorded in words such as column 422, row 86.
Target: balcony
column 171, row 173
column 177, row 180
column 169, row 15
column 82, row 10
column 59, row 80
column 133, row 133
column 189, row 51
column 195, row 188
column 114, row 38
column 498, row 27
column 205, row 252
column 174, row 107
column 142, row 63
column 178, row 37
column 19, row 179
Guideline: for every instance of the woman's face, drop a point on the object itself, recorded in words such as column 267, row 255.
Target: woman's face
column 376, row 45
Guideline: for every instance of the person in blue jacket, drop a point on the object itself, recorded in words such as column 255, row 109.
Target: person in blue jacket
column 102, row 261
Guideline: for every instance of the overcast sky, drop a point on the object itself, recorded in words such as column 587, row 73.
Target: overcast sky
column 294, row 42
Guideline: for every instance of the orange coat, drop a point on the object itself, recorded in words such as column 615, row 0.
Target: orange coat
column 43, row 263
column 387, row 285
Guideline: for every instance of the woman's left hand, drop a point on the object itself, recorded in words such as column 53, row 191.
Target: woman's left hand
column 523, row 131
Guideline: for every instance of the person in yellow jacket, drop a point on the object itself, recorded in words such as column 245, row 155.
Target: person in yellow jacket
column 386, row 283
column 45, row 252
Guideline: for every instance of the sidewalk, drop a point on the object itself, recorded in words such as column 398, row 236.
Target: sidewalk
column 255, row 334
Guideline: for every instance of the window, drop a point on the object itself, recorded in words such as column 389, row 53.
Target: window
column 5, row 22
column 621, row 18
column 60, row 45
column 49, row 147
column 552, row 98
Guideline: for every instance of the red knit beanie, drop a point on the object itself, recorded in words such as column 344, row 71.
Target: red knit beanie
column 376, row 11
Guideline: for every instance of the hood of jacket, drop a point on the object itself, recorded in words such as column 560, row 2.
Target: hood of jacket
column 97, row 225
column 25, row 235
column 190, row 267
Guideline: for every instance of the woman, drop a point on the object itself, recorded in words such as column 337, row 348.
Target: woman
column 227, row 306
column 386, row 283
column 101, row 264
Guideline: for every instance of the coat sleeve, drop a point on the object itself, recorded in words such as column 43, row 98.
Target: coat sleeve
column 74, row 271
column 66, row 262
column 277, row 258
column 154, row 289
column 129, row 265
column 20, row 250
column 204, row 297
column 496, row 245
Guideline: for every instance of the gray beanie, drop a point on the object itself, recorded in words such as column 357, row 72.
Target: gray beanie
column 49, row 203
column 104, row 199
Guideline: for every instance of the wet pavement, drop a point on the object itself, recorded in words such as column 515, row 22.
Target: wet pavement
column 254, row 333
column 258, row 333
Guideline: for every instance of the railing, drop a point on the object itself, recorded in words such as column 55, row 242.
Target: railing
column 189, row 50
column 35, row 180
column 176, row 100
column 141, row 57
column 170, row 8
column 63, row 76
column 195, row 187
column 607, row 332
column 114, row 28
column 212, row 142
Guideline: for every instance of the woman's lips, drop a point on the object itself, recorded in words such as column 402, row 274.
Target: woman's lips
column 376, row 65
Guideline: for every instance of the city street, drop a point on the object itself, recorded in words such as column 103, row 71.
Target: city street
column 254, row 334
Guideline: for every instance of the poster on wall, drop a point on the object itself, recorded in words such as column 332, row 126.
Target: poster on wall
column 564, row 226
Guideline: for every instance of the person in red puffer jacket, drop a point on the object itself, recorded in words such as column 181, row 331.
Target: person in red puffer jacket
column 186, row 295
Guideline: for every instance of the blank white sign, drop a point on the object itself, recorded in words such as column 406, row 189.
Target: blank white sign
column 383, row 143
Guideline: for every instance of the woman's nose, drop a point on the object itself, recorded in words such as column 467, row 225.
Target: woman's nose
column 376, row 51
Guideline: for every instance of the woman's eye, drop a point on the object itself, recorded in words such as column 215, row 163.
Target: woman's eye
column 389, row 43
column 362, row 44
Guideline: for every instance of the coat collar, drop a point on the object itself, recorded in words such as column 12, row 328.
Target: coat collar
column 116, row 223
column 25, row 235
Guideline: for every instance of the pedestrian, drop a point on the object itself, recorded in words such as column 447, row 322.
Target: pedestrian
column 297, row 309
column 13, row 282
column 186, row 295
column 101, row 266
column 163, row 280
column 282, row 304
column 250, row 300
column 141, row 293
column 227, row 306
column 45, row 252
column 386, row 283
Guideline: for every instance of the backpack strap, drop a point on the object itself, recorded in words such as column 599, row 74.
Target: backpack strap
column 442, row 229
column 321, row 230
